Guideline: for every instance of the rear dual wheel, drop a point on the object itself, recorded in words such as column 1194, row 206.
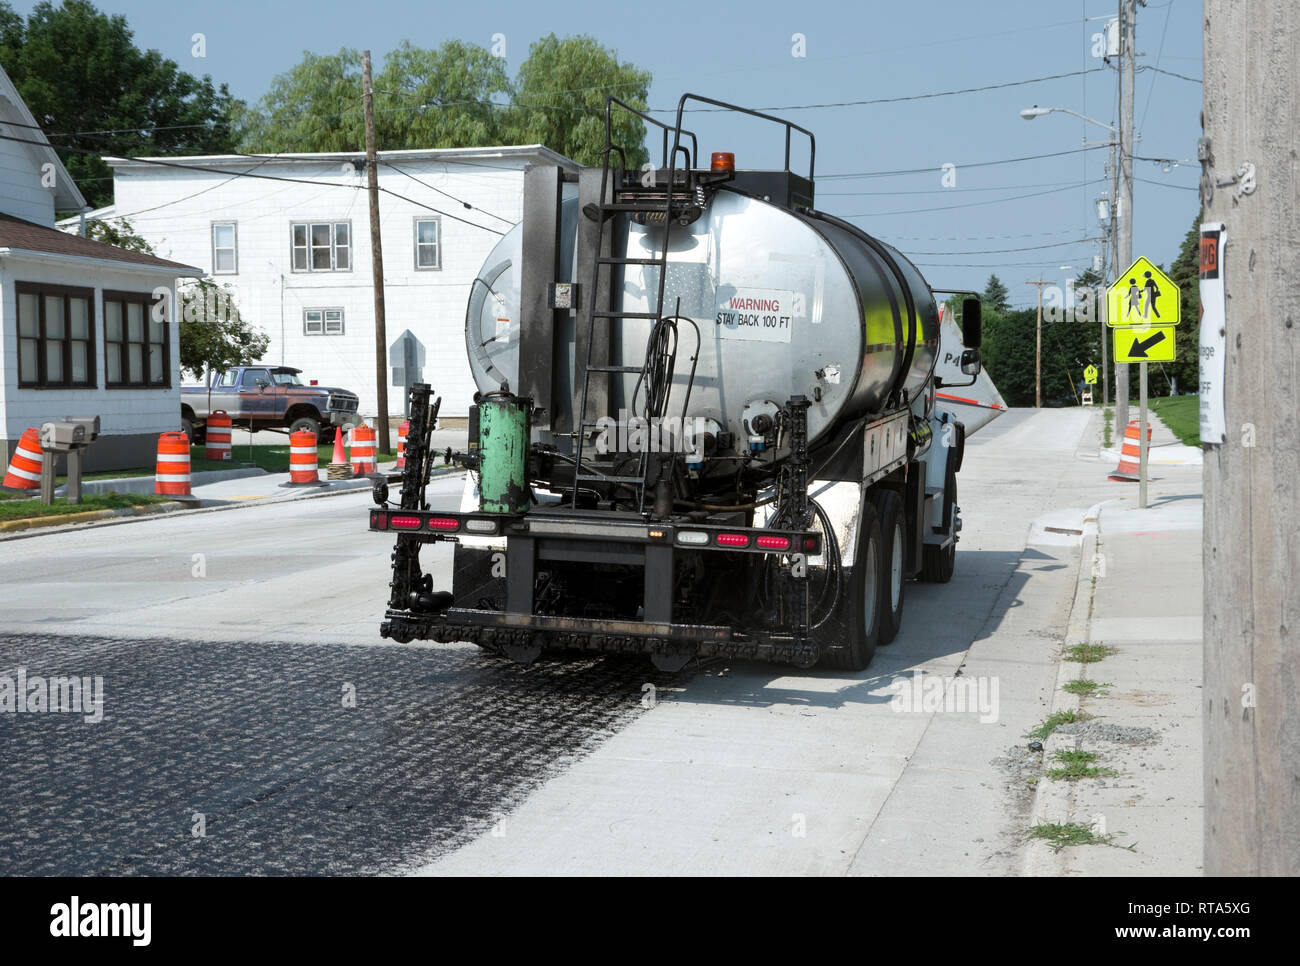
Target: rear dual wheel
column 893, row 555
column 862, row 609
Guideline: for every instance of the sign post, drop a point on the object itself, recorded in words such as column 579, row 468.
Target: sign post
column 1142, row 310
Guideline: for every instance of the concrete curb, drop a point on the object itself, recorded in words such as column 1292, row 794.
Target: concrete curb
column 90, row 516
column 110, row 518
column 145, row 484
column 1054, row 801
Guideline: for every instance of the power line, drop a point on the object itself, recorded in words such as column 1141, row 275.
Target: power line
column 986, row 264
column 972, row 204
column 941, row 191
column 390, row 164
column 1159, row 53
column 265, row 177
column 1031, row 234
column 891, row 100
column 1166, row 184
column 1161, row 70
column 1002, row 251
column 966, row 164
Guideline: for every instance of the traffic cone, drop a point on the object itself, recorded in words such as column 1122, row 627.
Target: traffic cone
column 339, row 467
column 1130, row 454
column 25, row 468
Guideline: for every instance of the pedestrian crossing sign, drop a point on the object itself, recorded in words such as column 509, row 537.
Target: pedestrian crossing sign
column 1143, row 297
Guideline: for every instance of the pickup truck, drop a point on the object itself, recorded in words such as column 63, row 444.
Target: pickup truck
column 266, row 397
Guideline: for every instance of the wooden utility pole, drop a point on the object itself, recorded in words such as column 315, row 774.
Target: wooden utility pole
column 376, row 258
column 1252, row 471
column 1038, row 347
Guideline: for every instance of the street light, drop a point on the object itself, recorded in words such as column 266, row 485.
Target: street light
column 1104, row 212
column 1029, row 113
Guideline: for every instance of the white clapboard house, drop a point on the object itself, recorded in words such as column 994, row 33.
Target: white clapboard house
column 290, row 235
column 87, row 327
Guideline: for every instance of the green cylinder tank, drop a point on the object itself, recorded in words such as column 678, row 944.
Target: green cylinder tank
column 503, row 434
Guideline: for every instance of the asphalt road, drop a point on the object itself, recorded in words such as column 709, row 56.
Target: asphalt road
column 248, row 696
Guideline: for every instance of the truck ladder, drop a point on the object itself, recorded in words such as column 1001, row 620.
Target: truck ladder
column 643, row 205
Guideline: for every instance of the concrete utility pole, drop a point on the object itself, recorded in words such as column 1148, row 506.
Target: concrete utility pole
column 1038, row 347
column 376, row 258
column 1111, row 257
column 1252, row 479
column 1124, row 200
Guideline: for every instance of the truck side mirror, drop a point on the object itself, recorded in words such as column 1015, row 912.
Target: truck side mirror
column 970, row 362
column 971, row 325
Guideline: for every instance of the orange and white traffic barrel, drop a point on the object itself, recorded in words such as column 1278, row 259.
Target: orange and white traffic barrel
column 172, row 473
column 217, row 446
column 303, row 457
column 25, row 468
column 1130, row 455
column 362, row 450
column 402, row 431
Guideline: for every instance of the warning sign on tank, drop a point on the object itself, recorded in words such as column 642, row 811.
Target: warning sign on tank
column 756, row 315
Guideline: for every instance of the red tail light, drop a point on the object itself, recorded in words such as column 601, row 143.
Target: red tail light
column 773, row 543
column 444, row 523
column 404, row 522
column 732, row 540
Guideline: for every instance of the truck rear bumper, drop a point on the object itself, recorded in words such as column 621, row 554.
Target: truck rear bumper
column 495, row 630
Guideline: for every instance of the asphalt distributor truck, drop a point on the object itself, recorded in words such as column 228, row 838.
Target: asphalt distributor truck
column 706, row 423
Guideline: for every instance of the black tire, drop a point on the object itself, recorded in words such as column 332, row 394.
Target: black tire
column 937, row 563
column 306, row 424
column 863, row 605
column 893, row 557
column 326, row 435
column 197, row 437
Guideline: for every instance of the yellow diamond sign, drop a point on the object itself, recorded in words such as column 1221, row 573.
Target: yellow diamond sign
column 1143, row 296
column 1090, row 375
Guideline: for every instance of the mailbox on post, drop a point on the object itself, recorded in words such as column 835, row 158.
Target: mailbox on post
column 69, row 435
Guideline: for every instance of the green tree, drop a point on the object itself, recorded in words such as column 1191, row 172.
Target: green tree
column 314, row 106
column 560, row 97
column 1186, row 274
column 996, row 296
column 457, row 95
column 213, row 335
column 444, row 98
column 1071, row 341
column 95, row 93
column 449, row 97
column 119, row 232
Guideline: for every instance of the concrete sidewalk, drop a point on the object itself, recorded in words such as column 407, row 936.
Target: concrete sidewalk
column 1138, row 596
column 1164, row 449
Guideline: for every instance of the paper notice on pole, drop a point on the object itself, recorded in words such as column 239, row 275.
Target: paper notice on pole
column 1214, row 340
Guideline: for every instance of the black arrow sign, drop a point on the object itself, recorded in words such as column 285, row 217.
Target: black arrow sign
column 1140, row 348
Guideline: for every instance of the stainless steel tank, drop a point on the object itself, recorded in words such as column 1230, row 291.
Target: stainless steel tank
column 786, row 304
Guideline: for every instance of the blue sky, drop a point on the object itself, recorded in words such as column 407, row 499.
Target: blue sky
column 853, row 52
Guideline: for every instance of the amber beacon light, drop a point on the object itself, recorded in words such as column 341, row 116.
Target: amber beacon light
column 723, row 161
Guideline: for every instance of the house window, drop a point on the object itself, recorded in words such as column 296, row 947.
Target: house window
column 225, row 248
column 322, row 322
column 56, row 346
column 322, row 246
column 428, row 243
column 136, row 341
